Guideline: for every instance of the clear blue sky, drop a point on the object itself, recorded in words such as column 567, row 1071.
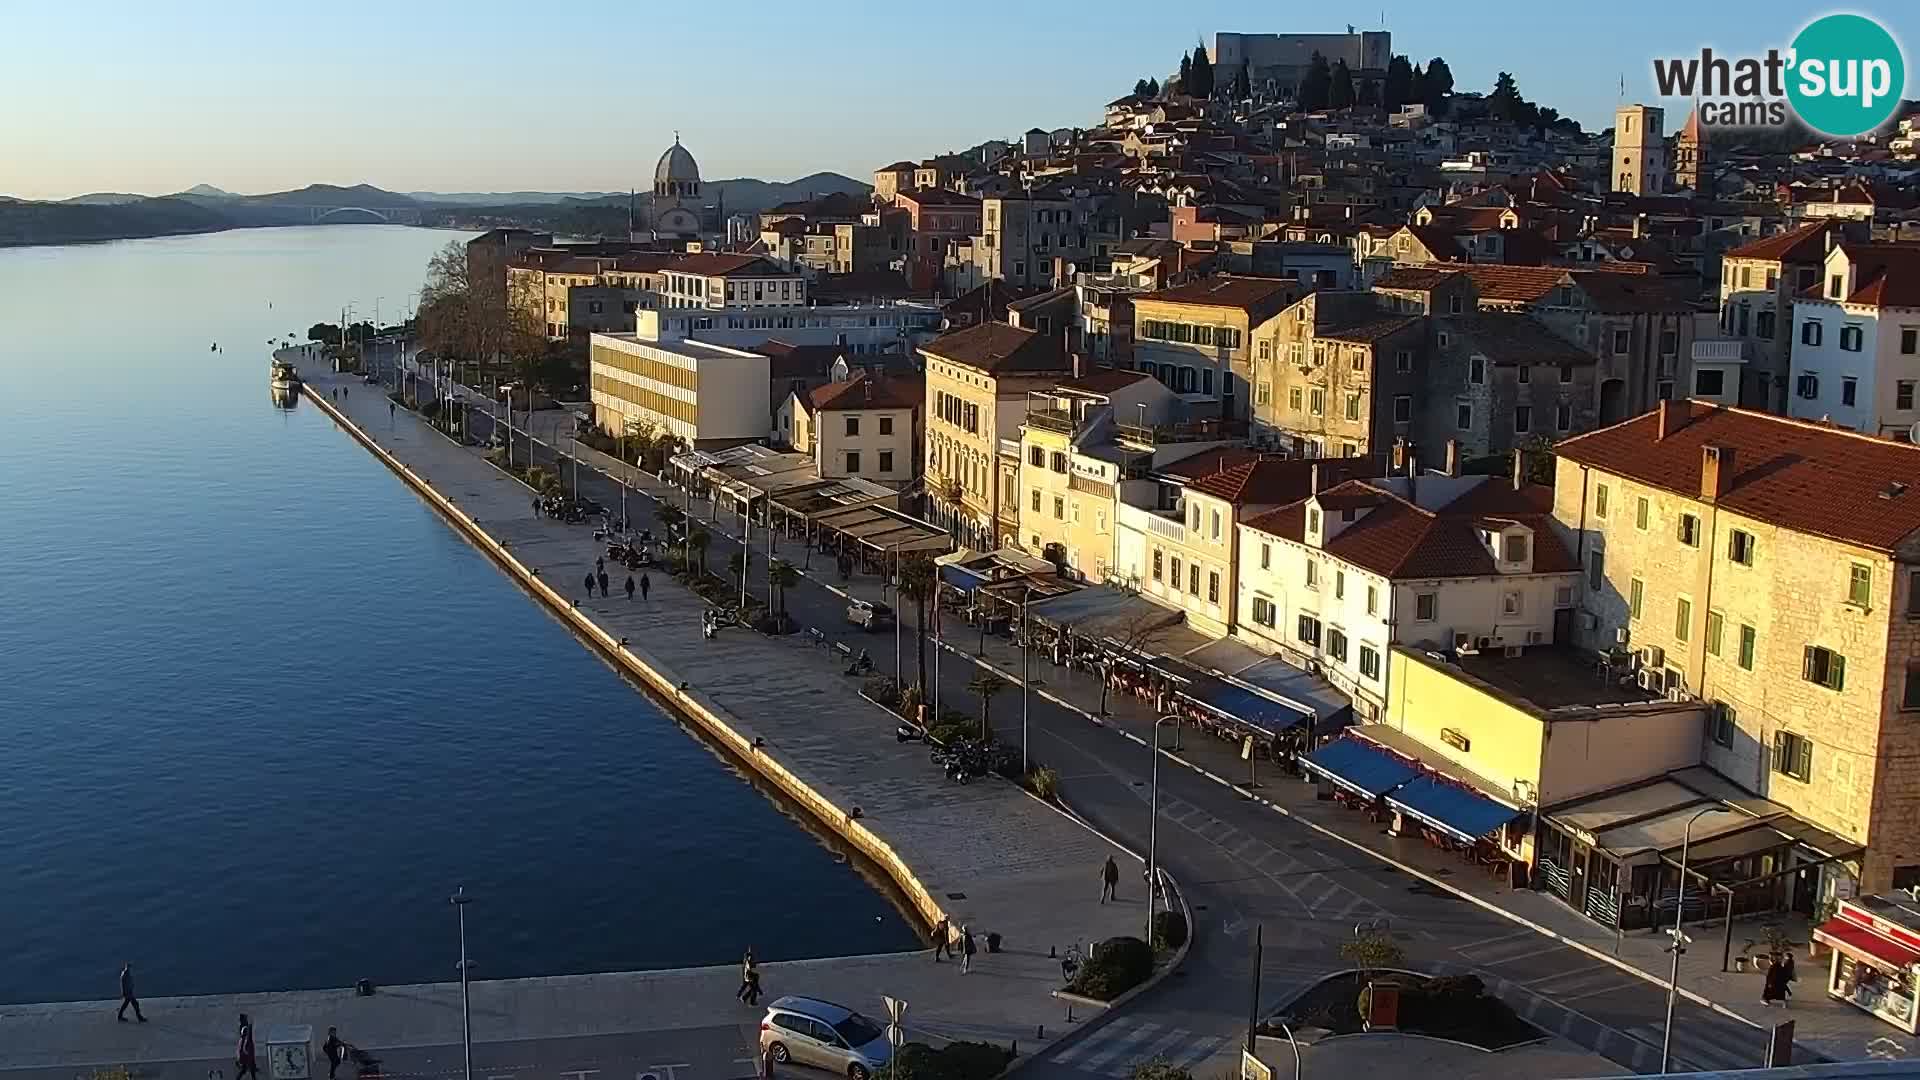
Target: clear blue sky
column 486, row 96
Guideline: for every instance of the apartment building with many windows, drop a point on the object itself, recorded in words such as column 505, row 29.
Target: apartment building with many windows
column 1453, row 562
column 1771, row 567
column 1749, row 361
column 1197, row 337
column 1856, row 358
column 978, row 381
column 1336, row 374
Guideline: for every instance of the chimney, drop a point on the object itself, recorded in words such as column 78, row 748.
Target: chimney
column 1519, row 468
column 1716, row 472
column 1453, row 457
column 1313, row 482
column 1673, row 417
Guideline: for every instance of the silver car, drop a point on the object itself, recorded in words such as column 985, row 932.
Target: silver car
column 808, row 1031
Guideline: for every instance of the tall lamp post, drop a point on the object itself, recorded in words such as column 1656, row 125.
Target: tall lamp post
column 1153, row 825
column 1026, row 676
column 1678, row 946
column 460, row 902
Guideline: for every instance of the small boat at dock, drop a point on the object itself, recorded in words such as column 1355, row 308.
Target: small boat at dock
column 283, row 375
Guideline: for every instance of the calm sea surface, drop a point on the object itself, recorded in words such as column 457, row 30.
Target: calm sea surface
column 261, row 711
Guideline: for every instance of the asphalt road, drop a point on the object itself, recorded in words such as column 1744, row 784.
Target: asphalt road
column 1242, row 865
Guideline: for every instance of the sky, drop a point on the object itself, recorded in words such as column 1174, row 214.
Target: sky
column 426, row 95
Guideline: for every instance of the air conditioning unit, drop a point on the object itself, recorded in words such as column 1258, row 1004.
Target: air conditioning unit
column 1462, row 642
column 1619, row 636
column 1653, row 656
column 1677, row 693
column 1647, row 680
column 1515, row 652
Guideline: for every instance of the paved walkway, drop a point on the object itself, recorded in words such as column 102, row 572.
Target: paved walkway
column 990, row 856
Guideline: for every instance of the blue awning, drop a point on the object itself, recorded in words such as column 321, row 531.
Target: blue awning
column 1455, row 810
column 1233, row 702
column 1360, row 767
column 964, row 580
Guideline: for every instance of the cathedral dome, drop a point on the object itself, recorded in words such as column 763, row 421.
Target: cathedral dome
column 676, row 166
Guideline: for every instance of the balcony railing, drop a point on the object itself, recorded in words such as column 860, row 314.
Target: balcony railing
column 1721, row 351
column 1150, row 435
column 1059, row 420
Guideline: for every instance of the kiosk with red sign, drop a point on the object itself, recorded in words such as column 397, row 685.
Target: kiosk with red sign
column 1876, row 955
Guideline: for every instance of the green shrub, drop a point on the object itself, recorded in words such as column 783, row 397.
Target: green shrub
column 1160, row 1069
column 1169, row 930
column 884, row 691
column 1117, row 965
column 1044, row 782
column 955, row 1061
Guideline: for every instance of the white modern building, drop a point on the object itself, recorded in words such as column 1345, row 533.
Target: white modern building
column 1856, row 345
column 1466, row 563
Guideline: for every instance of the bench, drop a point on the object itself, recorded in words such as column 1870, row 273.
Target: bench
column 843, row 650
column 816, row 636
column 1073, row 999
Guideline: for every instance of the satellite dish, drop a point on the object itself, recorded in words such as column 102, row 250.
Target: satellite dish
column 1913, row 433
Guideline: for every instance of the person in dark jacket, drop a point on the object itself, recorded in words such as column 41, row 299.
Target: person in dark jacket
column 629, row 588
column 589, row 586
column 1774, row 989
column 335, row 1050
column 645, row 587
column 244, row 1061
column 126, row 994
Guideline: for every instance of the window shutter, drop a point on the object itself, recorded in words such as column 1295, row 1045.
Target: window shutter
column 1806, row 662
column 1837, row 672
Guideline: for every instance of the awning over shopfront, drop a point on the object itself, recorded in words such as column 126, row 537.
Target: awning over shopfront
column 1360, row 767
column 1863, row 944
column 1454, row 809
column 1097, row 611
column 1232, row 700
column 982, row 568
column 884, row 531
column 1332, row 709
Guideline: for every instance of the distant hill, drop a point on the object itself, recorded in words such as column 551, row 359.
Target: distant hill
column 23, row 223
column 103, row 198
column 509, row 198
column 210, row 190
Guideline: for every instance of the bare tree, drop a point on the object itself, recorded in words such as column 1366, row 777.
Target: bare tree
column 1135, row 629
column 468, row 318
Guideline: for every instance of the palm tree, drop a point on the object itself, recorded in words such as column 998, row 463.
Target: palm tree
column 984, row 686
column 697, row 541
column 781, row 576
column 917, row 579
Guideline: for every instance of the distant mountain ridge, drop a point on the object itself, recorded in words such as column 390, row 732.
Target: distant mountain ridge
column 205, row 208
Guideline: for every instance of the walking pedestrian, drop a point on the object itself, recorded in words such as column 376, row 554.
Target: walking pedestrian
column 244, row 1062
column 753, row 987
column 645, row 586
column 1774, row 989
column 346, row 391
column 603, row 584
column 629, row 588
column 942, row 933
column 1109, row 880
column 389, row 411
column 126, row 994
column 536, row 506
column 746, row 974
column 1787, row 979
column 335, row 1050
column 589, row 586
column 600, row 562
column 966, row 951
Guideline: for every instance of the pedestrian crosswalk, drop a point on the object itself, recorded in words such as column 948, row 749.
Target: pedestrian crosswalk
column 1124, row 1042
column 1705, row 1046
column 1318, row 893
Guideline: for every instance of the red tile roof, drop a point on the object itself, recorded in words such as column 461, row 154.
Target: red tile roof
column 718, row 264
column 1258, row 297
column 1792, row 474
column 997, row 348
column 1515, row 284
column 1885, row 275
column 868, row 392
column 1616, row 293
column 1208, row 462
column 1268, row 479
column 1400, row 539
column 1105, row 380
column 1414, row 278
column 1366, row 331
column 1806, row 244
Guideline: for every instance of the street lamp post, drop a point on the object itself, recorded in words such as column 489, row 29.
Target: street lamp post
column 1153, row 825
column 460, row 902
column 1026, row 676
column 1677, row 948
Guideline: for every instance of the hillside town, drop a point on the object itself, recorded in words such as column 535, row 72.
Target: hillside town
column 1533, row 489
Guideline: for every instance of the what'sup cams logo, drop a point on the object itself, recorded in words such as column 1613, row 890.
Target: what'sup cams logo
column 1842, row 76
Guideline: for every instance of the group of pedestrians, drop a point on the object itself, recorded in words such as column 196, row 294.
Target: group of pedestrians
column 1780, row 978
column 946, row 946
column 749, row 991
column 598, row 579
column 246, row 1058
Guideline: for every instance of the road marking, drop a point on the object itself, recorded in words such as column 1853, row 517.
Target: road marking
column 1120, row 1046
column 1202, row 1050
column 1123, row 1069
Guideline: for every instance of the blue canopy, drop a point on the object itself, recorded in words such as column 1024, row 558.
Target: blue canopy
column 1359, row 766
column 1230, row 701
column 1452, row 809
column 961, row 579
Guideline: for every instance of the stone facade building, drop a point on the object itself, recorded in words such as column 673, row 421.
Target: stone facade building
column 1770, row 567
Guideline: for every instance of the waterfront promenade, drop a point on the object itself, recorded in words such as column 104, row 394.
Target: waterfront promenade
column 985, row 854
